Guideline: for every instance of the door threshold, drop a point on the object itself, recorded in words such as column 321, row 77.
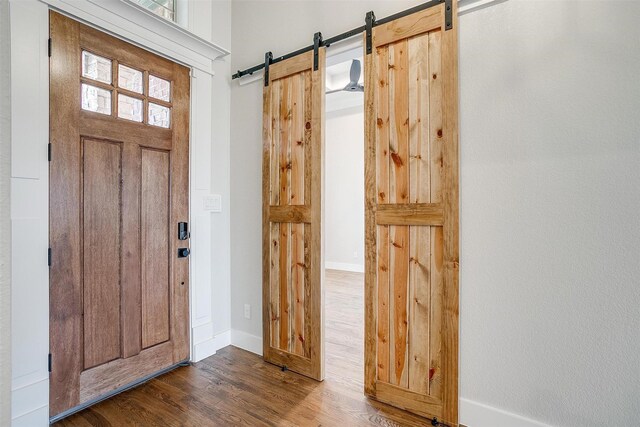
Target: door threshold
column 119, row 390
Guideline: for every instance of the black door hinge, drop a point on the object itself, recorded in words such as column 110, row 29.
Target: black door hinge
column 49, row 47
column 49, row 152
column 49, row 257
column 49, row 362
column 369, row 20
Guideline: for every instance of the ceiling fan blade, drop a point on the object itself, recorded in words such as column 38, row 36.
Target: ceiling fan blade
column 334, row 91
column 355, row 72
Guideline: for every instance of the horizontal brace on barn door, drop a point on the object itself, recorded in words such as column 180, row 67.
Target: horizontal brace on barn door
column 351, row 33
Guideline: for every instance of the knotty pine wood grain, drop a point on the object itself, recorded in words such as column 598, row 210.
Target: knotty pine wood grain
column 451, row 231
column 383, row 361
column 419, row 108
column 237, row 388
column 293, row 115
column 420, row 308
column 409, row 26
column 371, row 96
column 411, row 110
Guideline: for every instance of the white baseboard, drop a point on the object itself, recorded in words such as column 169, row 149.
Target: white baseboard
column 344, row 266
column 207, row 348
column 246, row 341
column 476, row 414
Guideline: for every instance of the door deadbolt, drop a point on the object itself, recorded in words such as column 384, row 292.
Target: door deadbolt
column 183, row 252
column 183, row 231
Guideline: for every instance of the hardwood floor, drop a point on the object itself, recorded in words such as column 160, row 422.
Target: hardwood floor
column 237, row 388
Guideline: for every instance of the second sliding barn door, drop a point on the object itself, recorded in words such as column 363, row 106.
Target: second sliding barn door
column 411, row 179
column 292, row 184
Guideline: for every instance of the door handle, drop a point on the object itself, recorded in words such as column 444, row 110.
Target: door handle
column 183, row 252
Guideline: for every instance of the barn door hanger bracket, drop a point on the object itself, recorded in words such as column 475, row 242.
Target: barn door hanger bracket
column 370, row 21
column 317, row 43
column 448, row 15
column 268, row 57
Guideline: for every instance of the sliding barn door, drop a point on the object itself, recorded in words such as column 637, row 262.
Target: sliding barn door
column 292, row 221
column 119, row 176
column 411, row 179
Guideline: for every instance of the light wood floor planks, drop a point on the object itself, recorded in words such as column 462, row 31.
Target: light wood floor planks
column 237, row 388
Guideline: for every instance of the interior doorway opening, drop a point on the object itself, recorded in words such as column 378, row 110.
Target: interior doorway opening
column 344, row 216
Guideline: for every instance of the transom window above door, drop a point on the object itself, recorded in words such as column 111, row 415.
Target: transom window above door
column 163, row 8
column 124, row 91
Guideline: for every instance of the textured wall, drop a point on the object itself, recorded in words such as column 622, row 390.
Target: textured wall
column 550, row 232
column 5, row 223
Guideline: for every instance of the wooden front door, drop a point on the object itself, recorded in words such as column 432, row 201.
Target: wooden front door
column 293, row 109
column 119, row 176
column 411, row 179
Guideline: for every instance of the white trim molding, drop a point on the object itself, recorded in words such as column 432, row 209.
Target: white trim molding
column 476, row 414
column 344, row 266
column 5, row 217
column 210, row 346
column 466, row 6
column 135, row 24
column 246, row 341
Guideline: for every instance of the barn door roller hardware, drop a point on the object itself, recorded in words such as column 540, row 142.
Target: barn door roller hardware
column 268, row 58
column 370, row 23
column 317, row 42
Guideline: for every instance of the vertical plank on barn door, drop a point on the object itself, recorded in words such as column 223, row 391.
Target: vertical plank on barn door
column 411, row 214
column 292, row 221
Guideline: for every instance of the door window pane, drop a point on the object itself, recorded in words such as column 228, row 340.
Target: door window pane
column 129, row 108
column 96, row 99
column 159, row 115
column 96, row 67
column 159, row 88
column 164, row 8
column 129, row 79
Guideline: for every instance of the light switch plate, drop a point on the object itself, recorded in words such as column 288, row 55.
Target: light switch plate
column 213, row 203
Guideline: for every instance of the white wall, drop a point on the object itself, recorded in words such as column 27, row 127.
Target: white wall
column 550, row 232
column 550, row 156
column 5, row 209
column 344, row 187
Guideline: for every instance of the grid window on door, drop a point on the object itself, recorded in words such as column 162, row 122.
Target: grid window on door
column 124, row 91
